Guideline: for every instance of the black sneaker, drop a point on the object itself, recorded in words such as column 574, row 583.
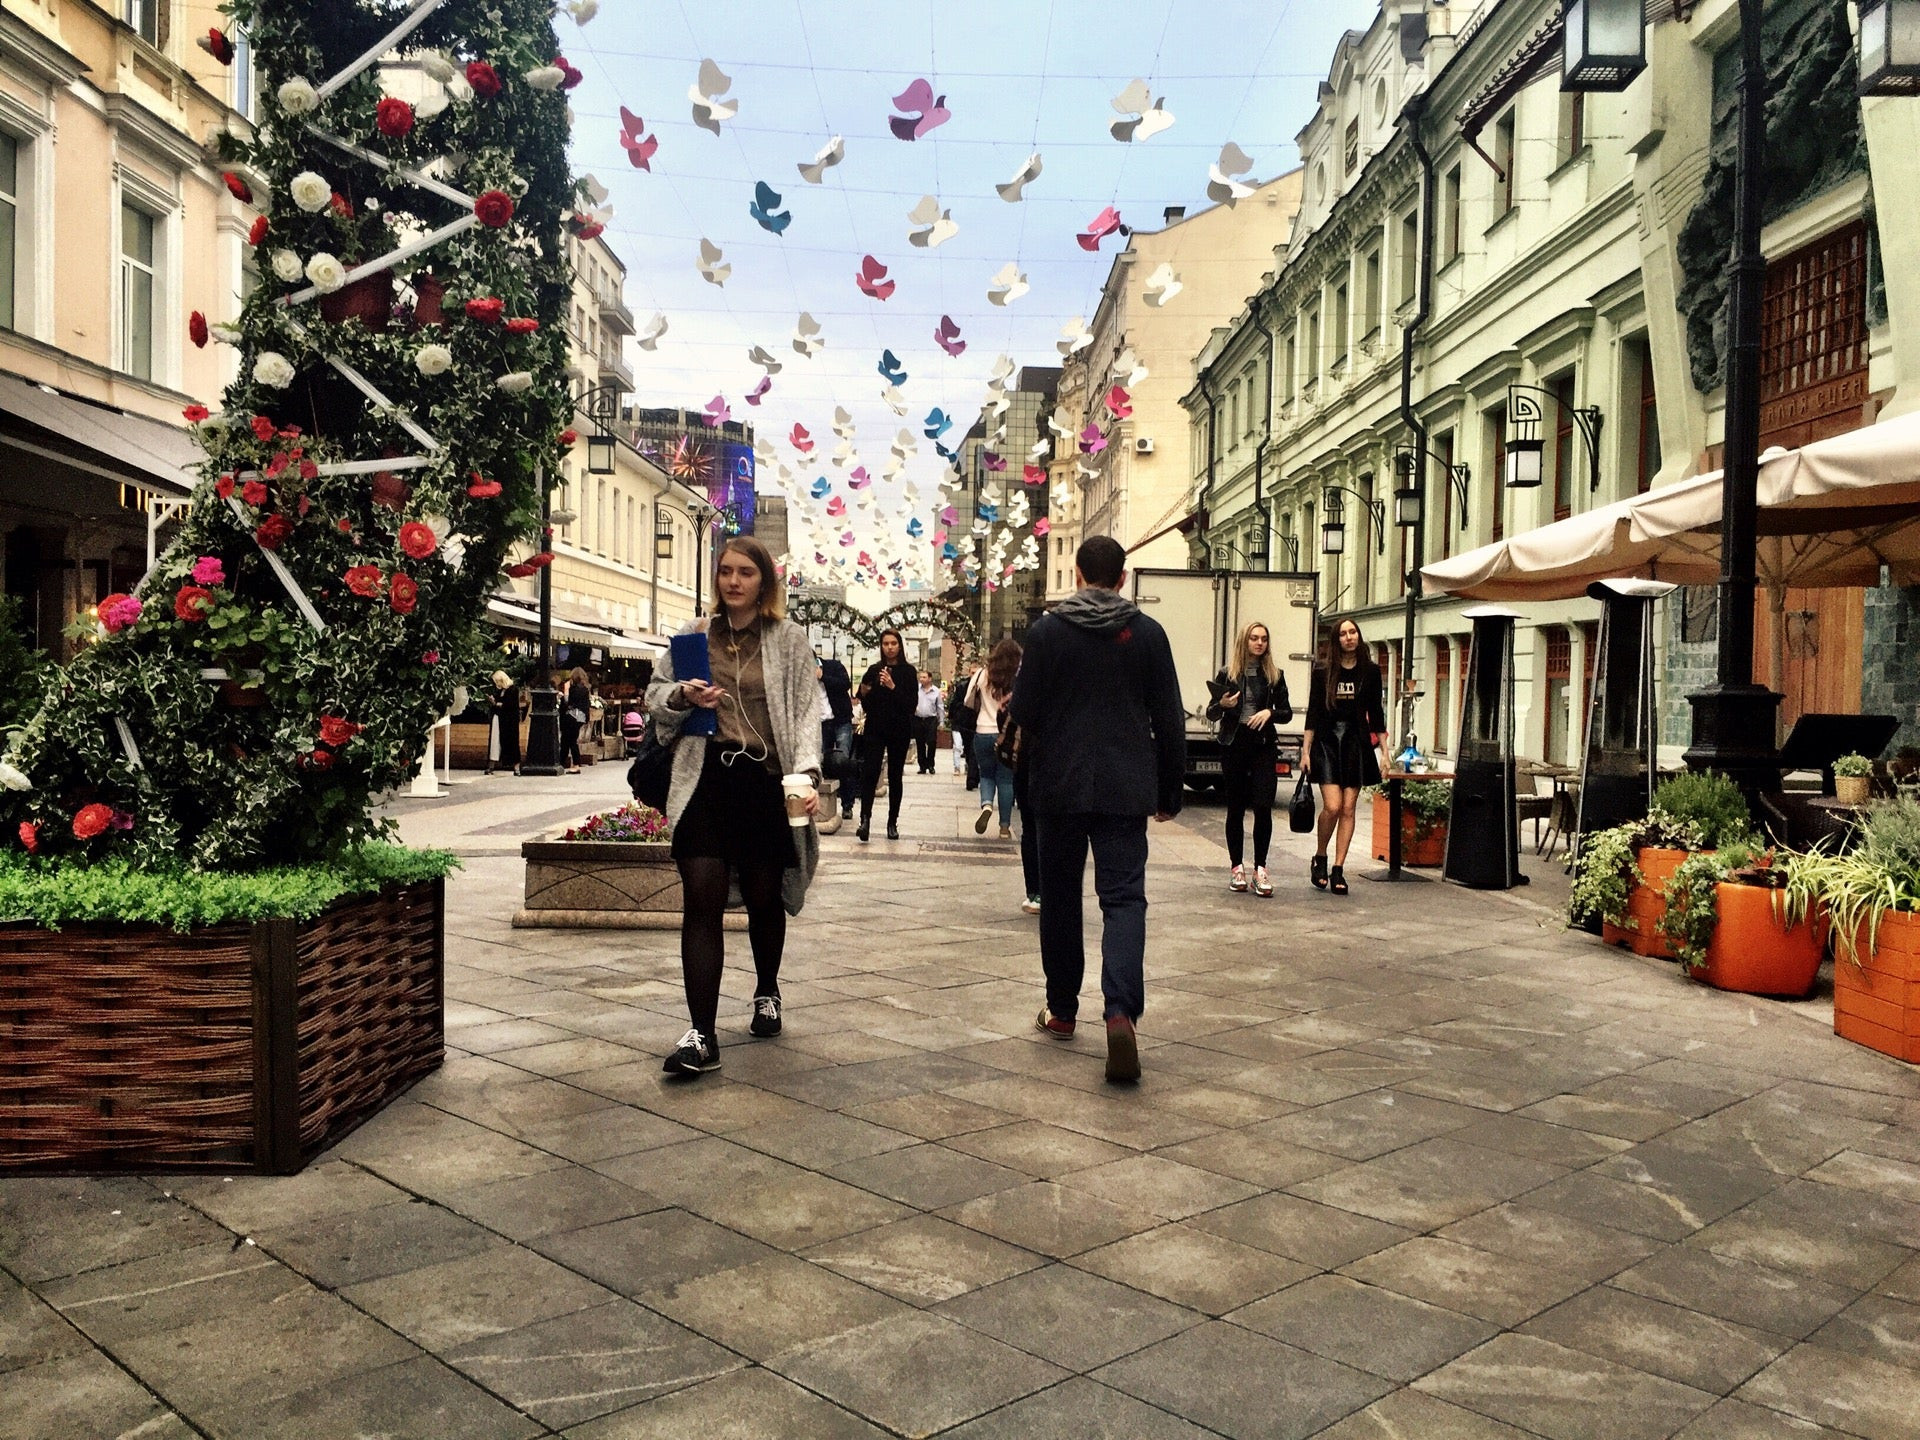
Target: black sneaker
column 695, row 1055
column 766, row 1017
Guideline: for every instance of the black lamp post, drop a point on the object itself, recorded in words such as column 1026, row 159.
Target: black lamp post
column 543, row 701
column 704, row 514
column 1525, row 447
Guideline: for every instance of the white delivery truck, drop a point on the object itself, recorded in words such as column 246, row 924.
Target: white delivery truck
column 1203, row 612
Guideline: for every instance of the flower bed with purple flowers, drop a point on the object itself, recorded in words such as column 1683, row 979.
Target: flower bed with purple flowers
column 632, row 823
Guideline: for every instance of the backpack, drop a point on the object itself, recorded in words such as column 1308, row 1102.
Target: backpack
column 962, row 718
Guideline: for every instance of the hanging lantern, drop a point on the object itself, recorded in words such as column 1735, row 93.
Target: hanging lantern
column 1889, row 47
column 1606, row 44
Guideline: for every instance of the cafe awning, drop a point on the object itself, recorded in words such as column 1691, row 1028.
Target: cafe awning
column 101, row 439
column 512, row 612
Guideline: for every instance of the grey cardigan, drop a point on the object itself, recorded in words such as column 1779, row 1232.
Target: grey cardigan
column 793, row 704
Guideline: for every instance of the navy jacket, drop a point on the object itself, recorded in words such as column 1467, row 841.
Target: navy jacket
column 839, row 689
column 1098, row 702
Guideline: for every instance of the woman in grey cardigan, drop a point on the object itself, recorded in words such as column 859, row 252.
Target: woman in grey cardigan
column 731, row 839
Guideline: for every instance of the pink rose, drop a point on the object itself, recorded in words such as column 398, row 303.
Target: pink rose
column 208, row 570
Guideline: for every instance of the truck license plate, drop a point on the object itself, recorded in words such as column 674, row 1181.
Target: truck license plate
column 1206, row 767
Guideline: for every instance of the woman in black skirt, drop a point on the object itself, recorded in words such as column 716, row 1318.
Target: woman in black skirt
column 1250, row 704
column 1346, row 718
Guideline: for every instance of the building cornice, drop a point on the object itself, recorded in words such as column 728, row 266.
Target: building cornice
column 47, row 58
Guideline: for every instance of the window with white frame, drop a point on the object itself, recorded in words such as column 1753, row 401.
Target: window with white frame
column 9, row 224
column 138, row 249
column 144, row 17
column 1252, row 409
column 243, row 73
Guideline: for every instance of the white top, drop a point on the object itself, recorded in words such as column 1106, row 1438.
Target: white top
column 987, row 706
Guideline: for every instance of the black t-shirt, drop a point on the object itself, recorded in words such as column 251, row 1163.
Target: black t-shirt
column 1357, row 699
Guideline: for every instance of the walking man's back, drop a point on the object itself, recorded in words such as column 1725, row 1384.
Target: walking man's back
column 1098, row 703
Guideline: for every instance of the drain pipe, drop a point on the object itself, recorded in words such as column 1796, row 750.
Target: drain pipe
column 1411, row 116
column 1261, row 316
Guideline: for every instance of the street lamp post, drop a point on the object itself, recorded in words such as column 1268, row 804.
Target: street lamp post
column 543, row 701
column 704, row 514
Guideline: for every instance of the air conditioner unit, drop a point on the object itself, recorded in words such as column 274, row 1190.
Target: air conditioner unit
column 1143, row 446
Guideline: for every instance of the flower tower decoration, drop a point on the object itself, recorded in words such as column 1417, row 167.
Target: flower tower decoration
column 400, row 391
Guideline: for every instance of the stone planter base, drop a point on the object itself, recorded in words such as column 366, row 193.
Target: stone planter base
column 602, row 885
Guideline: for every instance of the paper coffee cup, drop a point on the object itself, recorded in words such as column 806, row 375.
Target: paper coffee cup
column 798, row 789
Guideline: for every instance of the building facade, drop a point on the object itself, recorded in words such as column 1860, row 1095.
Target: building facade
column 988, row 488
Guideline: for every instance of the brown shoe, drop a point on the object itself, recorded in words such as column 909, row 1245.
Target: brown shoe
column 1123, row 1054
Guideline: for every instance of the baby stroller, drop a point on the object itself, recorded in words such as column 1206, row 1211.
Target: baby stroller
column 633, row 728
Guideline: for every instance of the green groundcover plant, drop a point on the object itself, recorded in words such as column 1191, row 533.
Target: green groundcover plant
column 1428, row 801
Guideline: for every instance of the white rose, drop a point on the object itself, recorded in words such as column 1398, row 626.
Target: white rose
column 13, row 777
column 287, row 266
column 310, row 192
column 430, row 105
column 326, row 273
column 437, row 65
column 546, row 77
column 460, row 90
column 273, row 369
column 516, row 382
column 582, row 10
column 297, row 97
column 433, row 359
column 226, row 334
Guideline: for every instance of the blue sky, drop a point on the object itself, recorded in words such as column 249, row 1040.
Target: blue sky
column 1017, row 77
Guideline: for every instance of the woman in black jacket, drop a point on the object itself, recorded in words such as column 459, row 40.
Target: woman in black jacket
column 889, row 692
column 1346, row 718
column 1249, row 704
column 575, row 706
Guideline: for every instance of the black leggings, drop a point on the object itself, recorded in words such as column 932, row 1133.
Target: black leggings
column 893, row 751
column 703, row 881
column 1250, row 783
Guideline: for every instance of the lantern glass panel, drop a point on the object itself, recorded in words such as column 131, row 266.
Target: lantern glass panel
column 1408, row 507
column 600, row 454
column 1333, row 538
column 1523, row 464
column 1615, row 28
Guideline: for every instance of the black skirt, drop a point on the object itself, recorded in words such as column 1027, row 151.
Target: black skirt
column 737, row 814
column 1343, row 756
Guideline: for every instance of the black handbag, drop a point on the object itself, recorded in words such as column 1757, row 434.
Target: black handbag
column 651, row 774
column 1300, row 808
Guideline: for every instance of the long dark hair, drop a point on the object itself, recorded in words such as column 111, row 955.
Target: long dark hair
column 1363, row 661
column 899, row 640
column 1002, row 665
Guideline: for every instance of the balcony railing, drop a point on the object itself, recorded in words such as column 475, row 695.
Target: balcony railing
column 615, row 315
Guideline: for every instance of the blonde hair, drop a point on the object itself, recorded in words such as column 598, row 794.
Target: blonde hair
column 773, row 590
column 1243, row 653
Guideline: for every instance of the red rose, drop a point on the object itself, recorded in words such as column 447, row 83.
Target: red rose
column 364, row 580
column 587, row 229
column 543, row 559
column 417, row 540
column 292, row 432
column 262, row 429
column 484, row 79
column 309, row 470
column 393, row 118
column 343, row 525
column 237, row 187
column 195, row 414
column 254, row 492
column 574, row 77
column 403, row 594
column 92, row 820
column 487, row 309
column 193, row 604
column 337, row 730
column 521, row 571
column 197, row 330
column 259, row 231
column 522, row 325
column 30, row 836
column 302, row 506
column 389, row 490
column 430, row 657
column 218, row 45
column 566, row 438
column 340, row 205
column 494, row 208
column 483, row 489
column 321, row 760
column 223, row 487
column 272, row 532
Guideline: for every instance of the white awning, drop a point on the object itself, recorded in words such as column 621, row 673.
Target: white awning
column 517, row 614
column 102, row 439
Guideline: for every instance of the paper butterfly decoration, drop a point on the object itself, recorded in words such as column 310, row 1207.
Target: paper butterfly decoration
column 938, row 422
column 639, row 148
column 765, row 209
column 895, row 401
column 649, row 336
column 846, row 537
column 1025, row 176
column 1074, row 336
column 1043, row 526
column 1038, row 450
column 915, row 529
column 1162, row 285
column 1119, row 403
column 1141, row 116
column 758, row 393
column 708, row 108
column 989, row 513
column 843, row 454
column 806, row 336
column 820, row 488
column 802, row 441
column 859, row 479
column 947, row 336
column 995, row 464
column 1128, row 370
column 1104, row 224
column 1222, row 187
column 1007, row 285
column 1032, row 475
column 949, row 551
column 932, row 226
column 759, row 356
column 1053, row 424
column 904, row 444
column 836, row 507
column 828, row 156
column 944, row 453
column 1092, row 442
column 711, row 270
column 890, row 369
column 872, row 279
column 923, row 112
column 716, row 414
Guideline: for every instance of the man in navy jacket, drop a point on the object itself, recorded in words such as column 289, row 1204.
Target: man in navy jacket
column 1098, row 706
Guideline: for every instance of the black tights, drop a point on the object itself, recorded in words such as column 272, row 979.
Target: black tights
column 1249, row 777
column 703, row 882
column 1262, row 831
column 893, row 754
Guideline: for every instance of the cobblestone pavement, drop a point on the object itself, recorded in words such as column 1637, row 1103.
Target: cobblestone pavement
column 1416, row 1164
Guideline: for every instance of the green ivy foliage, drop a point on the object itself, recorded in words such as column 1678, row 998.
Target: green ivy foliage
column 279, row 764
column 70, row 891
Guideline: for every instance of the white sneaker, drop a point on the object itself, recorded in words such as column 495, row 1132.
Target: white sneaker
column 1237, row 881
column 983, row 819
column 1030, row 905
column 1262, row 886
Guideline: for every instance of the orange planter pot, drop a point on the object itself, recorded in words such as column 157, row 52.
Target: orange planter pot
column 1430, row 849
column 1647, row 902
column 1876, row 1002
column 1753, row 953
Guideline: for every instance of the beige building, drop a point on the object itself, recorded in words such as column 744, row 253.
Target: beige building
column 1136, row 489
column 115, row 226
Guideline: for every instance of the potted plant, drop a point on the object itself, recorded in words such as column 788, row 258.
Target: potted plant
column 1852, row 779
column 1424, row 807
column 1725, row 923
column 1872, row 896
column 613, row 871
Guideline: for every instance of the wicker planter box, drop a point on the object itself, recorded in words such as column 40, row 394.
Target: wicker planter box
column 1876, row 1002
column 234, row 1047
column 1427, row 849
column 602, row 885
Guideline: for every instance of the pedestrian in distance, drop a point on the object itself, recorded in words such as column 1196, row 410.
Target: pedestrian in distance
column 889, row 691
column 926, row 721
column 1098, row 702
column 1249, row 703
column 503, row 725
column 731, row 830
column 836, row 739
column 575, row 705
column 1346, row 722
column 960, row 724
column 989, row 693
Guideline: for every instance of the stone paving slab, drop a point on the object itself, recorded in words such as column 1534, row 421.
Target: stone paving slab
column 1416, row 1163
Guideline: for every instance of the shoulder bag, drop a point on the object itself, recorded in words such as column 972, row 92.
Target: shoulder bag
column 1300, row 808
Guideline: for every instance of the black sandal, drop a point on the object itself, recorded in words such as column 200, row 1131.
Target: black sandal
column 1337, row 880
column 1318, row 875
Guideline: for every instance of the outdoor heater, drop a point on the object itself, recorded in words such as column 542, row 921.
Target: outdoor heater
column 1618, row 770
column 1483, row 831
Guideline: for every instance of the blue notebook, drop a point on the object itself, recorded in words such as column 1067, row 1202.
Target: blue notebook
column 690, row 662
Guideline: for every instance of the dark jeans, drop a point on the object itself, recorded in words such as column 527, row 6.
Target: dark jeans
column 569, row 740
column 892, row 750
column 836, row 760
column 1119, row 844
column 926, row 740
column 963, row 742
